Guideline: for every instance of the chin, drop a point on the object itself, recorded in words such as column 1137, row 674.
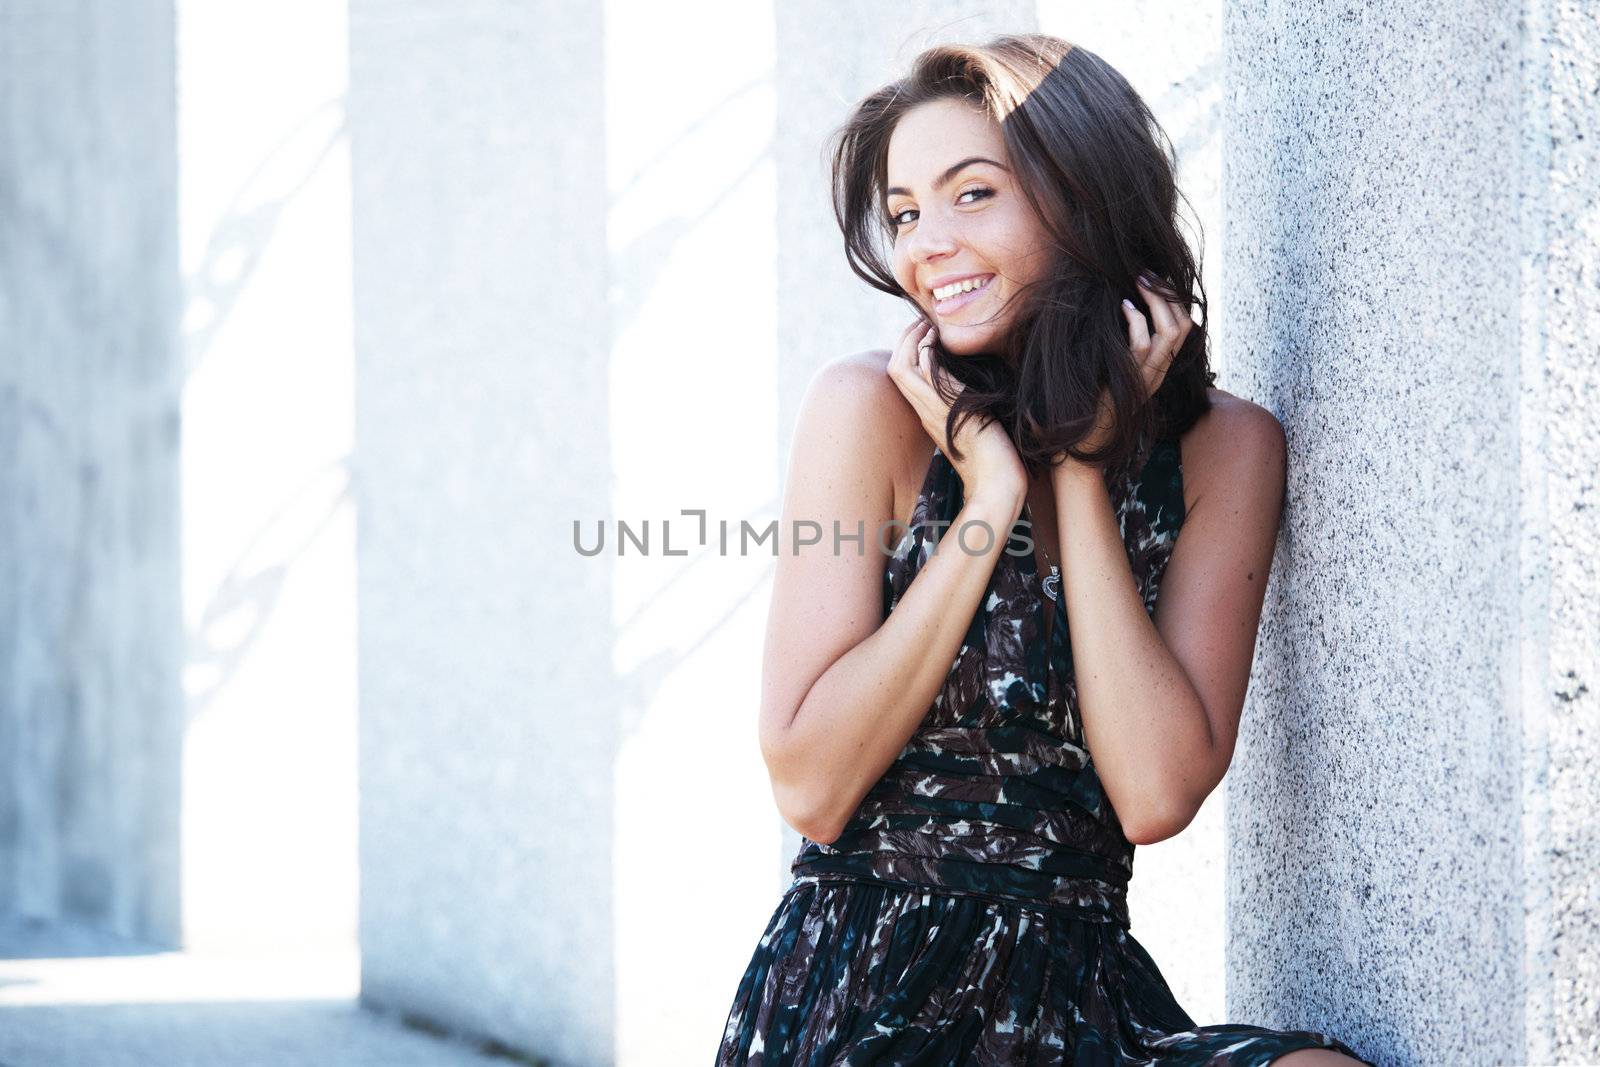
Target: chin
column 970, row 341
column 958, row 348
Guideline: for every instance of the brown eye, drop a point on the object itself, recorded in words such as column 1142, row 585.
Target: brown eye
column 981, row 193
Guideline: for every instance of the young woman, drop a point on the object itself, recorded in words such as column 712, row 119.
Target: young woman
column 973, row 737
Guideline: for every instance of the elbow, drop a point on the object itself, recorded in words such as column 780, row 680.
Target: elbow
column 805, row 815
column 1147, row 831
column 802, row 801
column 1151, row 827
column 825, row 824
column 1168, row 814
column 823, row 833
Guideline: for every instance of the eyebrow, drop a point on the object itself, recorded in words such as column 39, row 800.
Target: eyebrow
column 944, row 178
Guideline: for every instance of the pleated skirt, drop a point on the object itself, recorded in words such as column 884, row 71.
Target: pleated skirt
column 858, row 972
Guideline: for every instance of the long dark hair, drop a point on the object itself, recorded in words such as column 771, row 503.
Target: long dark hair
column 1098, row 170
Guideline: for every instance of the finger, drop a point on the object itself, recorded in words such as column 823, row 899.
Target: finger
column 1160, row 312
column 1164, row 306
column 925, row 344
column 1180, row 316
column 1181, row 311
column 911, row 329
column 906, row 335
column 1138, row 330
column 1170, row 331
column 904, row 351
column 908, row 371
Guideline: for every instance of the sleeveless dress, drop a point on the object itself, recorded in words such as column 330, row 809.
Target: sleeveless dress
column 974, row 908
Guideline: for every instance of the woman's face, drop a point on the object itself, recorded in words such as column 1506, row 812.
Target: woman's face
column 960, row 219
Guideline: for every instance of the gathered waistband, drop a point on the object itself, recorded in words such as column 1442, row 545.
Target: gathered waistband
column 1006, row 812
column 1079, row 897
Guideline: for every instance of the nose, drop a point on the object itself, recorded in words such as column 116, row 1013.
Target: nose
column 933, row 239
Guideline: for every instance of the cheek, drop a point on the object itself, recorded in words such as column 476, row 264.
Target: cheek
column 1019, row 246
column 903, row 272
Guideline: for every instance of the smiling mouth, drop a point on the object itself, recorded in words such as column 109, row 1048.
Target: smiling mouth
column 960, row 300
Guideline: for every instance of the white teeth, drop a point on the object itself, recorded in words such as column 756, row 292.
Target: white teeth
column 956, row 288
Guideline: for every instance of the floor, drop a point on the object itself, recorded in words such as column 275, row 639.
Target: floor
column 69, row 995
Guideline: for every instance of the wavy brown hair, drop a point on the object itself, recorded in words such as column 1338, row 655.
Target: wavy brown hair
column 1098, row 171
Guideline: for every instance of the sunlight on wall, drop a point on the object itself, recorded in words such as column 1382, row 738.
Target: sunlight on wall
column 269, row 833
column 693, row 394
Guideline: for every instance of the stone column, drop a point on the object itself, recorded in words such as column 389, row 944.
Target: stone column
column 1410, row 242
column 489, row 725
column 91, row 641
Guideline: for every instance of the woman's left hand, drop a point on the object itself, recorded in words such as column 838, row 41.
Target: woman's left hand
column 1152, row 354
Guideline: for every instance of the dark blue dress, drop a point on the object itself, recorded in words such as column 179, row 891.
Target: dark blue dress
column 974, row 909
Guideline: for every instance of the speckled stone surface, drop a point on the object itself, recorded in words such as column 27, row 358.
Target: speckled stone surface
column 1560, row 665
column 1411, row 245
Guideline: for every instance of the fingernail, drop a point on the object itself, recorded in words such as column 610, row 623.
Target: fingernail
column 1127, row 303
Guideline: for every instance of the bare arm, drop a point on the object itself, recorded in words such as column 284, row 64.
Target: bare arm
column 1161, row 697
column 844, row 689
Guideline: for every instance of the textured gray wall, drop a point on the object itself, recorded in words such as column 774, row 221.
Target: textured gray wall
column 1412, row 801
column 91, row 637
column 488, row 729
column 1560, row 537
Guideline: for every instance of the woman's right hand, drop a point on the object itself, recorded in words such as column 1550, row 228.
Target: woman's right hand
column 989, row 461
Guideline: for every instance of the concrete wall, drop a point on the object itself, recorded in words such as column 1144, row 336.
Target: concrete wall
column 488, row 705
column 1412, row 801
column 1559, row 536
column 91, row 631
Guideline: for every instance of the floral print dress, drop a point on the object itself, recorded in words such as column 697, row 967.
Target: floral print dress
column 974, row 908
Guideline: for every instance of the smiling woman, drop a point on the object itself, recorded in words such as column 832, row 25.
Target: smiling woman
column 970, row 751
column 1033, row 162
column 968, row 242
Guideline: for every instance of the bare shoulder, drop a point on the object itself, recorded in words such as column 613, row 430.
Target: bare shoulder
column 877, row 415
column 859, row 374
column 1237, row 439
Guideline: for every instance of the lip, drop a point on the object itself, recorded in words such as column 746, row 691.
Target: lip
column 952, row 304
